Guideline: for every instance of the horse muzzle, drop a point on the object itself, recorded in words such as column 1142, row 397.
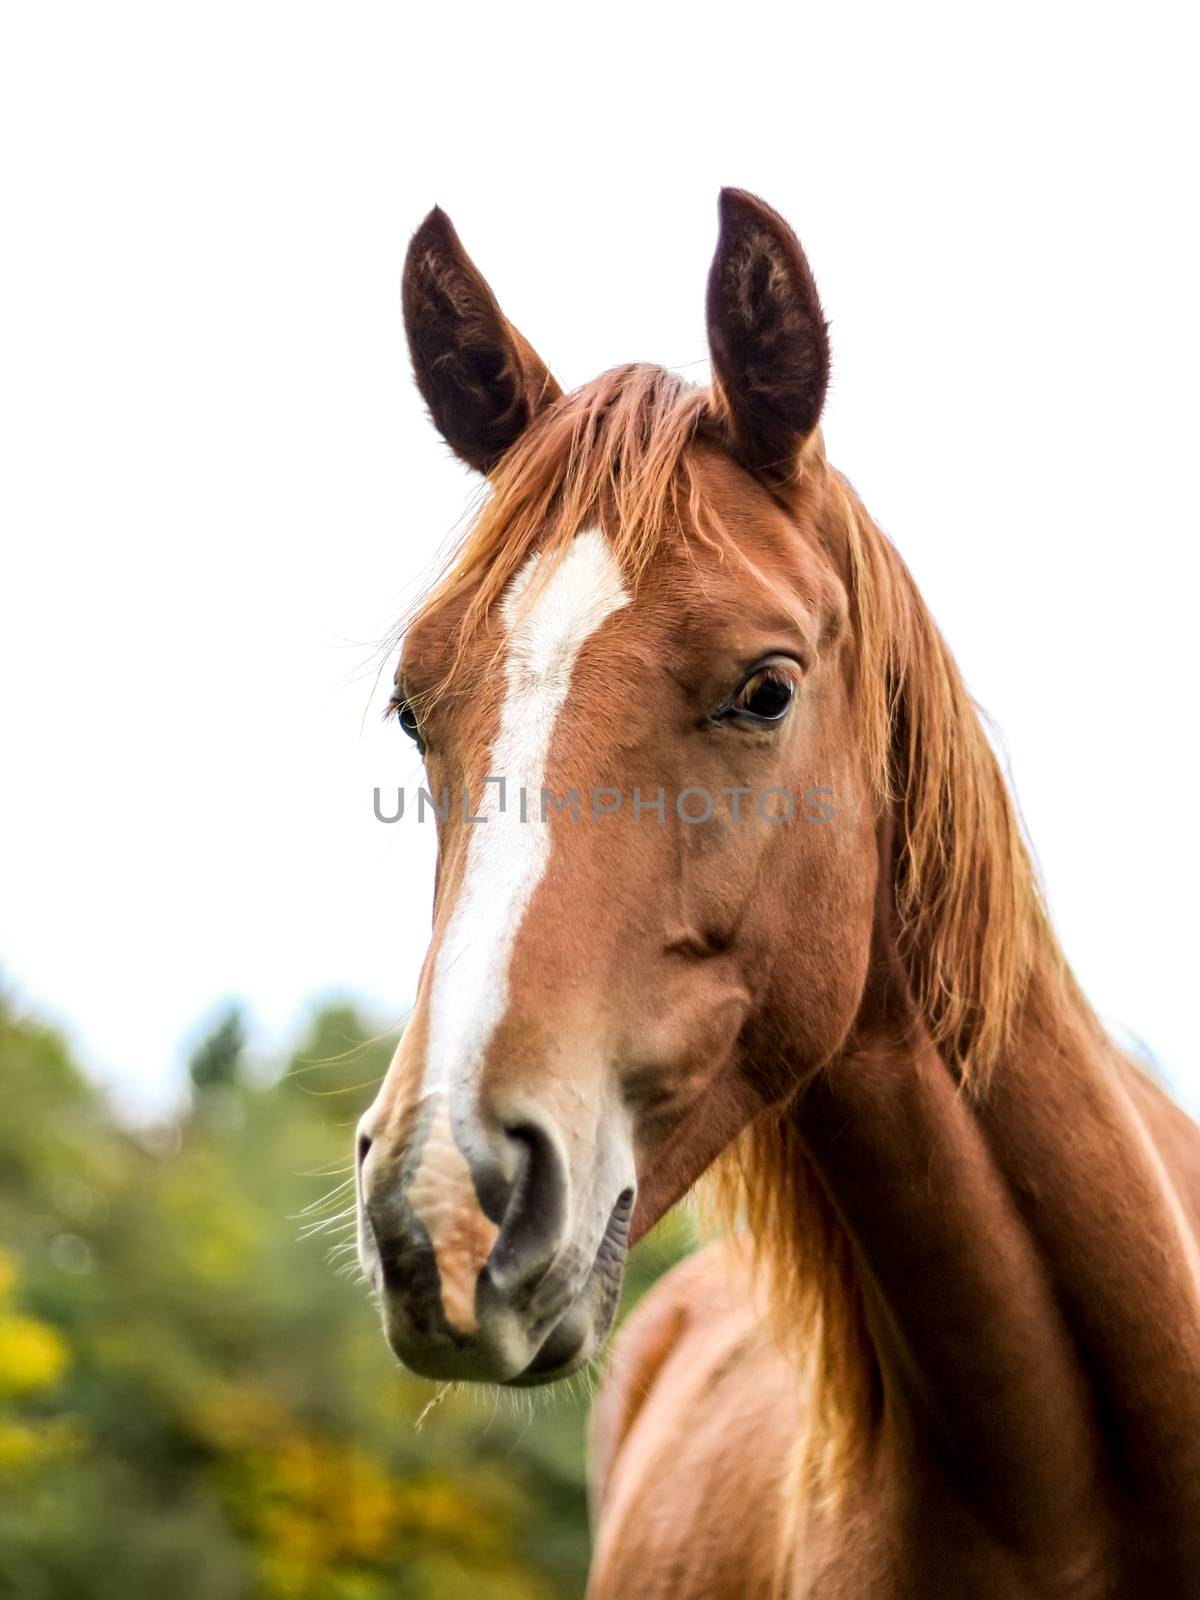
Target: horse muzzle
column 493, row 1261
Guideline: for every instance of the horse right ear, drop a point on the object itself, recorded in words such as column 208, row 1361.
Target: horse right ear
column 767, row 336
column 480, row 379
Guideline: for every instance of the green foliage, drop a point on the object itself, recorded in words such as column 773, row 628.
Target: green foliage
column 195, row 1401
column 217, row 1060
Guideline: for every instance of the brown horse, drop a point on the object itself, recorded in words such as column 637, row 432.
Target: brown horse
column 729, row 878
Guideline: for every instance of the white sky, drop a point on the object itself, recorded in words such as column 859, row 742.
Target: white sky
column 218, row 488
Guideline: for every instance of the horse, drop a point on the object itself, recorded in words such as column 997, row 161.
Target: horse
column 731, row 888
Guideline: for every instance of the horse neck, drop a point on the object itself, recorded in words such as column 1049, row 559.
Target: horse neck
column 1026, row 1269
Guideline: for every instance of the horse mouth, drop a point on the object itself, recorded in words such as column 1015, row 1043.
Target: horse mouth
column 579, row 1334
column 552, row 1330
column 556, row 1359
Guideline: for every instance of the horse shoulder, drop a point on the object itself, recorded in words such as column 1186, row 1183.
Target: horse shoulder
column 643, row 1346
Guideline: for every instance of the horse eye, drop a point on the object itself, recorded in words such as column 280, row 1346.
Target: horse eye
column 766, row 696
column 407, row 718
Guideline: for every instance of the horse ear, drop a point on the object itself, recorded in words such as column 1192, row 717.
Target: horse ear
column 480, row 379
column 768, row 338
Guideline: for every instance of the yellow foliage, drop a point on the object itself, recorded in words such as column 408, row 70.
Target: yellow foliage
column 33, row 1355
column 318, row 1502
column 24, row 1445
column 19, row 1445
column 319, row 1510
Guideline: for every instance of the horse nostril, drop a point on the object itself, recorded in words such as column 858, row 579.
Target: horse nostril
column 622, row 1211
column 535, row 1209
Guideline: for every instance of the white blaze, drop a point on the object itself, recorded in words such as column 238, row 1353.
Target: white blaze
column 506, row 857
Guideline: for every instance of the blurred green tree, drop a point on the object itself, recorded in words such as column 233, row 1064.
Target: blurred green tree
column 217, row 1059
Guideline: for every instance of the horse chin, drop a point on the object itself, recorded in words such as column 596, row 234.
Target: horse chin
column 573, row 1342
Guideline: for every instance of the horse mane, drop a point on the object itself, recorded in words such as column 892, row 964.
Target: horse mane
column 972, row 929
column 970, row 920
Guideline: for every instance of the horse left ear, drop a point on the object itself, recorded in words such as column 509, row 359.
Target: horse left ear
column 483, row 383
column 768, row 338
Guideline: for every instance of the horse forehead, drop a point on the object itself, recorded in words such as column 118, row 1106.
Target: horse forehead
column 687, row 598
column 549, row 619
column 548, row 610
